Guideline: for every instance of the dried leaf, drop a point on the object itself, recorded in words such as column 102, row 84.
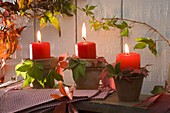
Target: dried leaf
column 63, row 56
column 62, row 90
column 56, row 96
column 161, row 105
column 63, row 64
column 149, row 101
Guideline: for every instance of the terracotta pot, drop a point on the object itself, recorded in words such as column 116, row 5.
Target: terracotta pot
column 91, row 81
column 129, row 90
column 50, row 63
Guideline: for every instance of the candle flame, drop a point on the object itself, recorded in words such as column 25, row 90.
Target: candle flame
column 39, row 36
column 84, row 31
column 126, row 49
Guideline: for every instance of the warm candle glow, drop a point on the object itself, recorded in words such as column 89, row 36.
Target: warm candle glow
column 76, row 50
column 84, row 31
column 39, row 36
column 126, row 49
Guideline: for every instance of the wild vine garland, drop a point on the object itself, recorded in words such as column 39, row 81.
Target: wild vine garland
column 121, row 23
column 50, row 11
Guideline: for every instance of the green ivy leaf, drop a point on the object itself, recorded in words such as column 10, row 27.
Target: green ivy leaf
column 82, row 62
column 72, row 64
column 152, row 48
column 125, row 32
column 91, row 7
column 96, row 25
column 36, row 73
column 105, row 27
column 110, row 68
column 122, row 26
column 23, row 67
column 88, row 10
column 143, row 42
column 50, row 79
column 78, row 67
column 76, row 74
column 81, row 69
column 158, row 89
column 57, row 76
column 43, row 22
column 140, row 45
column 73, row 8
column 54, row 21
column 110, row 75
column 117, row 68
column 27, row 81
column 49, row 14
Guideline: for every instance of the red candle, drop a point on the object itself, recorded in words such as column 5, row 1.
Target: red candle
column 39, row 50
column 86, row 49
column 128, row 60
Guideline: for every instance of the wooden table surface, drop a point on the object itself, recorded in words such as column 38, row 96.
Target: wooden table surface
column 110, row 105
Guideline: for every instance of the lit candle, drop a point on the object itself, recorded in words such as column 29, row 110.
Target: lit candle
column 85, row 49
column 39, row 50
column 128, row 60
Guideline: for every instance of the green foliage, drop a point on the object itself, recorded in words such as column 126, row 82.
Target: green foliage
column 44, row 10
column 51, row 77
column 88, row 10
column 121, row 24
column 78, row 67
column 158, row 89
column 144, row 42
column 116, row 72
column 113, row 71
column 31, row 71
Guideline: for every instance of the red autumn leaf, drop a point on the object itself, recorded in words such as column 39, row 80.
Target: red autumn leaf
column 137, row 71
column 150, row 100
column 56, row 96
column 59, row 70
column 104, row 78
column 161, row 105
column 61, row 88
column 63, row 56
column 18, row 47
column 63, row 64
column 102, row 59
column 99, row 59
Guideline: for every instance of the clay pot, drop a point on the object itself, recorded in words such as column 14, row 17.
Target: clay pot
column 129, row 90
column 91, row 81
column 50, row 63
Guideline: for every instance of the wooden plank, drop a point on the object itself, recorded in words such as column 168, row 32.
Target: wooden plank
column 157, row 14
column 27, row 36
column 110, row 105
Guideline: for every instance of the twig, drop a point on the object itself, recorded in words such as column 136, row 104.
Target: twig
column 150, row 28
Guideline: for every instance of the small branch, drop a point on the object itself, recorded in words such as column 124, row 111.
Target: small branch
column 150, row 28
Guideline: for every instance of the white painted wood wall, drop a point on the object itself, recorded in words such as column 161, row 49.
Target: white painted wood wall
column 154, row 12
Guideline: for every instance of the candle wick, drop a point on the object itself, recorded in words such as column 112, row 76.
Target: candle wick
column 38, row 41
column 127, row 53
column 84, row 39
